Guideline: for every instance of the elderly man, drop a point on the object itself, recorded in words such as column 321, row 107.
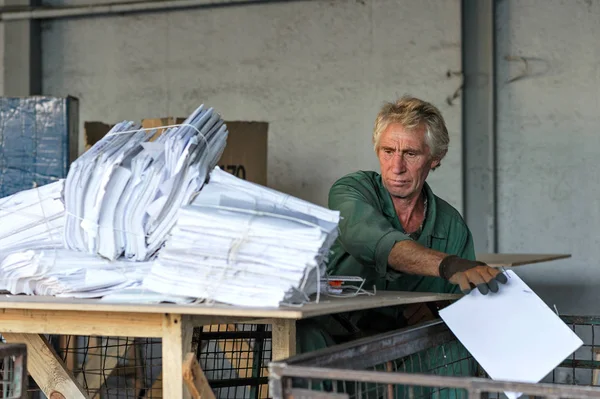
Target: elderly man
column 394, row 232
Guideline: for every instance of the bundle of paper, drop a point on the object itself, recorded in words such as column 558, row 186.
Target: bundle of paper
column 245, row 244
column 63, row 272
column 66, row 273
column 122, row 195
column 32, row 219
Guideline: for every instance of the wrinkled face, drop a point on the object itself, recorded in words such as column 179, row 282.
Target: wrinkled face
column 405, row 160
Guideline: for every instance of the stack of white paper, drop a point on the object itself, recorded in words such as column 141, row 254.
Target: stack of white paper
column 66, row 273
column 122, row 195
column 32, row 219
column 63, row 272
column 244, row 244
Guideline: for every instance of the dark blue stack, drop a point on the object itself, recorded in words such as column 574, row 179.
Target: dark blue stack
column 38, row 141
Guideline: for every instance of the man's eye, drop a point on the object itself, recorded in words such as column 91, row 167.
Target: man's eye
column 388, row 151
column 411, row 154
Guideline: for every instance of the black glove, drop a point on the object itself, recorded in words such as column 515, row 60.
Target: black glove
column 469, row 274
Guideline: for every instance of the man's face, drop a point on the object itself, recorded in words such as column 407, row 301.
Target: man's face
column 405, row 160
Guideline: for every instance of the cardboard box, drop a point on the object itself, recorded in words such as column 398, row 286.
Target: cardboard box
column 245, row 155
column 93, row 132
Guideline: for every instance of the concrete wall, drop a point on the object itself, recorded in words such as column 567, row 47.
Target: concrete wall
column 317, row 71
column 1, row 55
column 548, row 145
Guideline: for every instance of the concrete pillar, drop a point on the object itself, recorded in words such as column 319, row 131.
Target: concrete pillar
column 479, row 122
column 21, row 54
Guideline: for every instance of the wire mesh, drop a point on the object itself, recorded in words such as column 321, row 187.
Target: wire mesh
column 447, row 359
column 428, row 362
column 234, row 358
column 583, row 366
column 110, row 367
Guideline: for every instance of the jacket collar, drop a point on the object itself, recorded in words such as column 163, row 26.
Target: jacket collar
column 430, row 229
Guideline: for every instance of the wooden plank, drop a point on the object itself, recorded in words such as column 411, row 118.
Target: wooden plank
column 80, row 323
column 176, row 340
column 101, row 363
column 46, row 367
column 511, row 260
column 327, row 305
column 283, row 339
column 195, row 379
column 596, row 372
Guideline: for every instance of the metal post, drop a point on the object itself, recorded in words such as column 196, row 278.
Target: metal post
column 479, row 122
column 22, row 72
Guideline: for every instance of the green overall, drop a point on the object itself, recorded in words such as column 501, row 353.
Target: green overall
column 369, row 228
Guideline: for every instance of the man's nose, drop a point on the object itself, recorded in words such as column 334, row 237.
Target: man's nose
column 398, row 164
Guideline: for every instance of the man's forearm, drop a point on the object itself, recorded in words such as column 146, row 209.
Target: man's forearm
column 412, row 258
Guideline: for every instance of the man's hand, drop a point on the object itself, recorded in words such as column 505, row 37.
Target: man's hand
column 469, row 274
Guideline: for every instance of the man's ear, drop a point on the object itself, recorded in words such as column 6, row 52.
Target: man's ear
column 435, row 163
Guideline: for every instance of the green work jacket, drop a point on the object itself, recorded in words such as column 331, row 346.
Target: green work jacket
column 369, row 228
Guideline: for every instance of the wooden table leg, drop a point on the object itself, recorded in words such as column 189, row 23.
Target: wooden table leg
column 284, row 339
column 46, row 367
column 176, row 342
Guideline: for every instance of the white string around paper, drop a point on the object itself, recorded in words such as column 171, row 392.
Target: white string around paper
column 48, row 229
column 245, row 236
column 2, row 207
column 105, row 227
column 157, row 128
column 232, row 257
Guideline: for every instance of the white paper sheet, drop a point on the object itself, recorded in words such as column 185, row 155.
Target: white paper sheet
column 513, row 334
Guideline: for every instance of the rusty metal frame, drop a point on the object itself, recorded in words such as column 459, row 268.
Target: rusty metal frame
column 19, row 353
column 346, row 362
column 378, row 349
column 474, row 386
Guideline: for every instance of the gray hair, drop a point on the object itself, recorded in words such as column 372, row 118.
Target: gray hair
column 412, row 113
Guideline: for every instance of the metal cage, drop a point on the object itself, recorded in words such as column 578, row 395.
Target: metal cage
column 13, row 371
column 426, row 361
column 234, row 358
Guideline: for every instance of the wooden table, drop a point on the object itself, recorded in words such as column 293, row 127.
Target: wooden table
column 25, row 318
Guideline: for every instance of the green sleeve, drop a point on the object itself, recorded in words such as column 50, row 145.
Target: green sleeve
column 365, row 233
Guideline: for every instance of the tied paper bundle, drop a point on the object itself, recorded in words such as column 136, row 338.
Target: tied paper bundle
column 65, row 273
column 32, row 219
column 245, row 244
column 122, row 195
column 61, row 272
